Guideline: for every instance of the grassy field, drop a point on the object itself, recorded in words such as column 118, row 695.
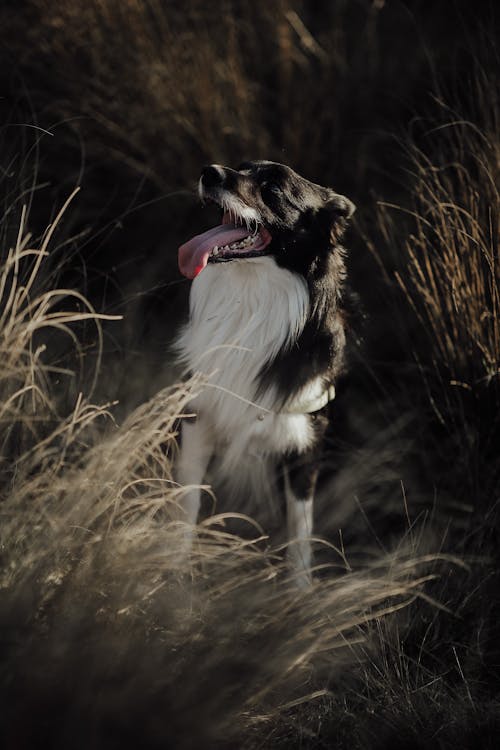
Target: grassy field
column 109, row 110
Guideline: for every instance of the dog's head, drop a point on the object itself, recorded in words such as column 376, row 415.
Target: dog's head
column 268, row 209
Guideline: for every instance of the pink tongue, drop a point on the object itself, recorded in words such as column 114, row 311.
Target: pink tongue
column 193, row 254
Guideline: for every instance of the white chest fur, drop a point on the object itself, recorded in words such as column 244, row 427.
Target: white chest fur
column 241, row 315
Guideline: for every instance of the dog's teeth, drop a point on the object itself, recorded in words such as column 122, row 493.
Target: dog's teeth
column 233, row 246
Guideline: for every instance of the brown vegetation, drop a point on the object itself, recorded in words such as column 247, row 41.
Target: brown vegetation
column 105, row 641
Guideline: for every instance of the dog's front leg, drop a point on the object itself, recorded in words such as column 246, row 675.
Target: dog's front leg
column 300, row 483
column 195, row 453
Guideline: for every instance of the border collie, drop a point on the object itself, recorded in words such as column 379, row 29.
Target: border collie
column 266, row 329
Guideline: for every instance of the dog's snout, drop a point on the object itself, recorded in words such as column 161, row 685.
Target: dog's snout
column 212, row 175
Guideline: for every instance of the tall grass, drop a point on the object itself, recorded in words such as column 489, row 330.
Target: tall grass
column 453, row 280
column 161, row 89
column 91, row 585
column 107, row 639
column 447, row 269
column 31, row 316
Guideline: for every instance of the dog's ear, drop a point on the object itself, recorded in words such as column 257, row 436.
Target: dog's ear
column 329, row 218
column 339, row 205
column 339, row 210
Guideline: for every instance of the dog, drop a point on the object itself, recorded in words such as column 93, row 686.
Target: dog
column 267, row 329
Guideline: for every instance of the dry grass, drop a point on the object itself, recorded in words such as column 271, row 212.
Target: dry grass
column 447, row 269
column 453, row 280
column 161, row 89
column 91, row 564
column 30, row 318
column 106, row 641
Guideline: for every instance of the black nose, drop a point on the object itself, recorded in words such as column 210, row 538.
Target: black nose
column 212, row 175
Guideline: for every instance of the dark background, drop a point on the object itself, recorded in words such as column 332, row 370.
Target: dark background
column 129, row 100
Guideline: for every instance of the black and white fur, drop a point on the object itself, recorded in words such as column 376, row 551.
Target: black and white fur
column 267, row 331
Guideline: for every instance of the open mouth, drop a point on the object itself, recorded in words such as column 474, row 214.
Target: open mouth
column 231, row 240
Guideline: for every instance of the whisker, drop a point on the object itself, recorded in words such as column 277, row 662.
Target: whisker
column 239, row 214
